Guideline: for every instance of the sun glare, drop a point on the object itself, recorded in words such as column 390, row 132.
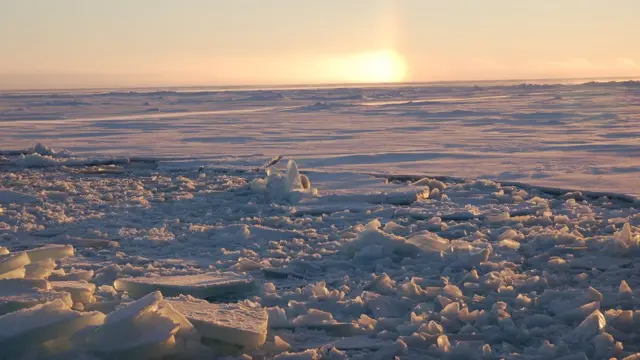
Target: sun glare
column 372, row 67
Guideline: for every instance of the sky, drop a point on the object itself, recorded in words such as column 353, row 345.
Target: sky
column 80, row 43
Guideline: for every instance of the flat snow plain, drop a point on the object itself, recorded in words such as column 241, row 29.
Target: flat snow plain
column 364, row 264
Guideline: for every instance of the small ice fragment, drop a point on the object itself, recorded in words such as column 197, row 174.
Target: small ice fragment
column 277, row 317
column 205, row 286
column 52, row 252
column 314, row 317
column 280, row 344
column 590, row 327
column 429, row 242
column 305, row 182
column 624, row 288
column 229, row 323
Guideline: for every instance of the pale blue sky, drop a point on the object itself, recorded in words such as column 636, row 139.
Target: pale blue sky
column 66, row 43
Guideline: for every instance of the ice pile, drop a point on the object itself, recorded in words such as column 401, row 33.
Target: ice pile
column 377, row 267
column 45, row 319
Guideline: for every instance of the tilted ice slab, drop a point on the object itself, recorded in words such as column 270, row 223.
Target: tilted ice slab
column 13, row 261
column 52, row 252
column 24, row 329
column 13, row 299
column 135, row 331
column 230, row 323
column 205, row 286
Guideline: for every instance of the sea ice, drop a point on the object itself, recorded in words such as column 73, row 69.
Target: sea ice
column 22, row 330
column 204, row 286
column 12, row 299
column 230, row 323
column 135, row 330
column 13, row 261
column 52, row 252
column 81, row 291
column 39, row 269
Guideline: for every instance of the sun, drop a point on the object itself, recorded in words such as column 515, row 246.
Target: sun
column 384, row 66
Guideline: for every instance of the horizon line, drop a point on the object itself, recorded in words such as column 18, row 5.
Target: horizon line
column 294, row 86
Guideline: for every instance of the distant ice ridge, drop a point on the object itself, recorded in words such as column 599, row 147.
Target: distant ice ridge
column 42, row 156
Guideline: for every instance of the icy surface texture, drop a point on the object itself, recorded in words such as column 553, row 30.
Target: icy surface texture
column 450, row 268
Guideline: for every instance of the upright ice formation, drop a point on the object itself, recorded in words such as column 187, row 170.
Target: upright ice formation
column 293, row 177
column 289, row 186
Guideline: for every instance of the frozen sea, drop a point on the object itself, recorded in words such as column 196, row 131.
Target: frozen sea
column 582, row 136
column 422, row 221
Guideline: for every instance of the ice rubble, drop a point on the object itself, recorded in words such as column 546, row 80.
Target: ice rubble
column 475, row 270
column 22, row 329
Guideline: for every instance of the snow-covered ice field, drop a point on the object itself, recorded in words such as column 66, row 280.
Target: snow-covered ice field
column 385, row 244
column 581, row 136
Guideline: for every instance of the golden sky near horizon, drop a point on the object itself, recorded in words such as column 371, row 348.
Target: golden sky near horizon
column 76, row 43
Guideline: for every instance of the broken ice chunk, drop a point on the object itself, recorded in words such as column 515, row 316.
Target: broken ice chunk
column 81, row 291
column 205, row 286
column 589, row 328
column 230, row 323
column 39, row 269
column 16, row 294
column 13, row 261
column 23, row 284
column 149, row 336
column 429, row 242
column 18, row 273
column 135, row 309
column 52, row 252
column 135, row 331
column 186, row 331
column 21, row 330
